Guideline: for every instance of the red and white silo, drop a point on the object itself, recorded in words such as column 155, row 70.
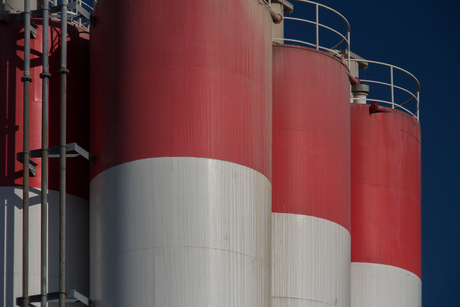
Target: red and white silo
column 11, row 143
column 311, row 179
column 385, row 207
column 181, row 137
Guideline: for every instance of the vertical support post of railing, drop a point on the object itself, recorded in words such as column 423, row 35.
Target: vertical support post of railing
column 418, row 104
column 80, row 3
column 349, row 47
column 317, row 26
column 392, row 88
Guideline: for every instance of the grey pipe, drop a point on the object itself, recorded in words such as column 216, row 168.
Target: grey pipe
column 62, row 159
column 26, row 79
column 45, row 75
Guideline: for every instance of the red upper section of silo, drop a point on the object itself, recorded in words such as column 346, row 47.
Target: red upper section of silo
column 386, row 188
column 178, row 78
column 311, row 126
column 11, row 103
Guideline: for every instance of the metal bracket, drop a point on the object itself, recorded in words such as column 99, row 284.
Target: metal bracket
column 54, row 152
column 32, row 164
column 73, row 296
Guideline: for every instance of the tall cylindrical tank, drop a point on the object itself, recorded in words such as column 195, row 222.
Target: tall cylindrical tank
column 11, row 139
column 311, row 179
column 385, row 202
column 181, row 137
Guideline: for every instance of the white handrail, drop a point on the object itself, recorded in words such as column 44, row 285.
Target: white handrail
column 345, row 37
column 415, row 95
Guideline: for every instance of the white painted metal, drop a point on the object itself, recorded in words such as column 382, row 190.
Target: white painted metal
column 278, row 29
column 360, row 93
column 378, row 285
column 17, row 5
column 310, row 262
column 180, row 231
column 11, row 240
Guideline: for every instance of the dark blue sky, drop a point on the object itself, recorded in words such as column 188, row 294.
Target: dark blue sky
column 423, row 37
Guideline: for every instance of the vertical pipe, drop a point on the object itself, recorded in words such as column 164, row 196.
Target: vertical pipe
column 62, row 158
column 44, row 180
column 26, row 79
column 317, row 27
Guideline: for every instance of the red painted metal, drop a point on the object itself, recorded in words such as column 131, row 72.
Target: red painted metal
column 386, row 188
column 11, row 92
column 311, row 153
column 195, row 82
column 277, row 18
column 376, row 108
column 11, row 98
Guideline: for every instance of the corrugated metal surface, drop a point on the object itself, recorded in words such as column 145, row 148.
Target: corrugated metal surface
column 377, row 285
column 195, row 80
column 311, row 262
column 386, row 195
column 311, row 135
column 311, row 179
column 386, row 188
column 180, row 231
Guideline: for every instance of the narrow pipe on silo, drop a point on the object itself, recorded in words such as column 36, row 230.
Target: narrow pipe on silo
column 25, row 196
column 45, row 75
column 63, row 71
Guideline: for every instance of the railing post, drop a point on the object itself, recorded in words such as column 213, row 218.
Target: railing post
column 317, row 26
column 418, row 104
column 349, row 48
column 392, row 89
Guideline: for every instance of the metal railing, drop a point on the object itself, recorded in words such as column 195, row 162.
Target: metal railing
column 344, row 37
column 80, row 14
column 414, row 96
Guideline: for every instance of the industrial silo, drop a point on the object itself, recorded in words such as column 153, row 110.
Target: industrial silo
column 311, row 174
column 181, row 137
column 311, row 179
column 386, row 197
column 11, row 182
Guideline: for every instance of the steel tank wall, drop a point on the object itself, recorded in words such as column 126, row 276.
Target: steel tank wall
column 386, row 198
column 181, row 133
column 11, row 142
column 311, row 179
